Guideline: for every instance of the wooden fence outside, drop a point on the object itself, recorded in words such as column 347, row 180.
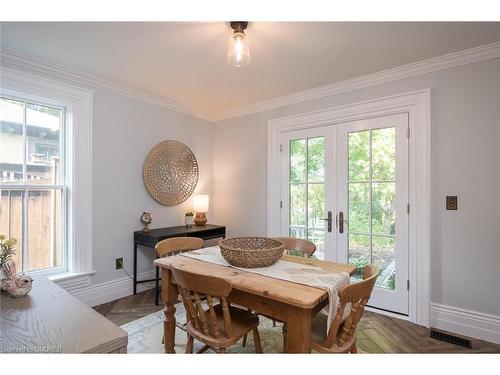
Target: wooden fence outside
column 44, row 226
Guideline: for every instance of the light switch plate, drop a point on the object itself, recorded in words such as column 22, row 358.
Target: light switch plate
column 451, row 202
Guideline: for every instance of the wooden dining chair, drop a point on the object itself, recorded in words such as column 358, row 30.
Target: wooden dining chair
column 220, row 326
column 172, row 246
column 341, row 337
column 297, row 246
column 176, row 245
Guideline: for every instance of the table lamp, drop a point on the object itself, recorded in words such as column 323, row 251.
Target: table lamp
column 200, row 206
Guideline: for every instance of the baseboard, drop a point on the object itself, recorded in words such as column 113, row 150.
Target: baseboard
column 97, row 294
column 466, row 322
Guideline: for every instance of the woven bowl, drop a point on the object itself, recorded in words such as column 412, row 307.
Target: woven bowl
column 251, row 252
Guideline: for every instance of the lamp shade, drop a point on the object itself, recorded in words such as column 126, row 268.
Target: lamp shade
column 200, row 203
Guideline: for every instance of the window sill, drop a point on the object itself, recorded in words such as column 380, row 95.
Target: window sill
column 72, row 280
column 64, row 276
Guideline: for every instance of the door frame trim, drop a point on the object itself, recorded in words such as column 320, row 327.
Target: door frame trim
column 417, row 105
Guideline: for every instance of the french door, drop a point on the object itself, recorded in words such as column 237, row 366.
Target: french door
column 345, row 188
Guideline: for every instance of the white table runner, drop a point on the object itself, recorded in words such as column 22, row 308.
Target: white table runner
column 318, row 277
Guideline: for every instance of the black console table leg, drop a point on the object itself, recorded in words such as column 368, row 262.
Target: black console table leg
column 135, row 268
column 157, row 286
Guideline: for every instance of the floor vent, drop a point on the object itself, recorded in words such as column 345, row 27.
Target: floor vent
column 450, row 338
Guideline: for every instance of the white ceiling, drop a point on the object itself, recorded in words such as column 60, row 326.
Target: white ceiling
column 186, row 62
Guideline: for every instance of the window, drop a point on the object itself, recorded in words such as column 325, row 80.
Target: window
column 32, row 182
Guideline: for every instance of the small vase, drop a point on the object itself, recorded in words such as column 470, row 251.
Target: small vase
column 188, row 221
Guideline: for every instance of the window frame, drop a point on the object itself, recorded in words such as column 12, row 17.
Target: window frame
column 78, row 164
column 26, row 187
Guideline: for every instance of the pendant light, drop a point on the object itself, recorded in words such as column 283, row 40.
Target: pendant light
column 238, row 53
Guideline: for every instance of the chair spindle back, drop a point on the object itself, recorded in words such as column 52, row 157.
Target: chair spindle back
column 175, row 245
column 191, row 286
column 357, row 295
column 297, row 245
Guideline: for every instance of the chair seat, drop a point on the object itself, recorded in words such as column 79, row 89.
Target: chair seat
column 319, row 333
column 242, row 322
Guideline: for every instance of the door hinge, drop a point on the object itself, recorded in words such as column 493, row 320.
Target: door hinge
column 408, row 208
column 408, row 284
column 281, row 148
column 407, row 132
column 281, row 204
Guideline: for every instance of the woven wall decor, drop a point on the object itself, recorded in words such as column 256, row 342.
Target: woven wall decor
column 170, row 173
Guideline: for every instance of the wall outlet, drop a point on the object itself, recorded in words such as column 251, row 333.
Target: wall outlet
column 451, row 202
column 118, row 263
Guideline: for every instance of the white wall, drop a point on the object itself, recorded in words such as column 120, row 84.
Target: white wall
column 465, row 161
column 124, row 131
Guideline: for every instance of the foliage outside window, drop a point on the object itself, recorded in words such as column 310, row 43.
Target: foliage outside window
column 371, row 211
column 307, row 191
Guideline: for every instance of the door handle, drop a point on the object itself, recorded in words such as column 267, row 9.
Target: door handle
column 341, row 221
column 328, row 220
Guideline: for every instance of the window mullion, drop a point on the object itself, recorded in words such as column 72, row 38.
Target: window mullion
column 370, row 195
column 25, row 191
column 25, row 141
column 25, row 229
column 64, row 248
column 307, row 189
column 32, row 187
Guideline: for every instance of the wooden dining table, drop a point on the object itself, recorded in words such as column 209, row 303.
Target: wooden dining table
column 292, row 303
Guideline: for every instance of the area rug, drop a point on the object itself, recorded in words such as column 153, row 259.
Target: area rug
column 145, row 335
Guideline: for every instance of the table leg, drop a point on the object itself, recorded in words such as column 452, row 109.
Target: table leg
column 135, row 268
column 298, row 335
column 157, row 285
column 169, row 295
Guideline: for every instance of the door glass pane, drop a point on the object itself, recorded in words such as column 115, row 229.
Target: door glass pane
column 298, row 162
column 43, row 144
column 359, row 253
column 307, row 190
column 318, row 238
column 298, row 233
column 371, row 210
column 383, row 211
column 316, row 159
column 11, row 221
column 359, row 207
column 44, row 229
column 298, row 204
column 315, row 206
column 384, row 258
column 11, row 141
column 383, row 154
column 359, row 156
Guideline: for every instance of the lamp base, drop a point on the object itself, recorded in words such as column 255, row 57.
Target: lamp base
column 200, row 218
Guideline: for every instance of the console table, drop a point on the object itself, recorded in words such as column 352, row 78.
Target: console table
column 151, row 238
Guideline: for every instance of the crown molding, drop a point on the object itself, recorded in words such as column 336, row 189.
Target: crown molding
column 452, row 60
column 36, row 65
column 14, row 59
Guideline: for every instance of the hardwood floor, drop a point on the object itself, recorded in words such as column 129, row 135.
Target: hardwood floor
column 376, row 333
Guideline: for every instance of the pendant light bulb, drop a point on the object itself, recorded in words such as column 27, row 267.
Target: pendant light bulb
column 238, row 53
